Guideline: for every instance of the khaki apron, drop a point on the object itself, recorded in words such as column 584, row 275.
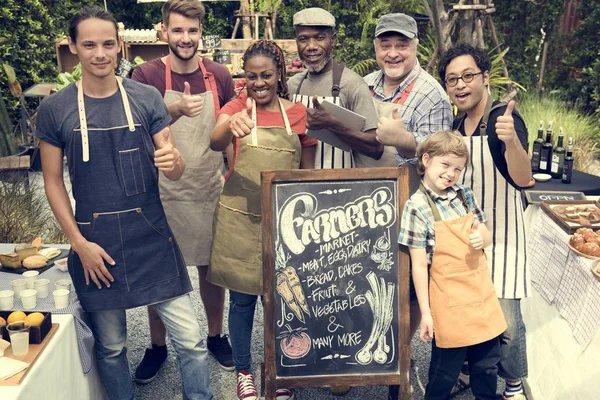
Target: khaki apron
column 190, row 202
column 236, row 256
column 464, row 305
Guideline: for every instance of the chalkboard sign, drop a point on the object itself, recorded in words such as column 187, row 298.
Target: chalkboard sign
column 334, row 293
column 222, row 57
column 211, row 41
column 537, row 196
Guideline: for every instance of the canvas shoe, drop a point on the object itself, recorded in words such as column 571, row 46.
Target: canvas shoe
column 246, row 389
column 284, row 394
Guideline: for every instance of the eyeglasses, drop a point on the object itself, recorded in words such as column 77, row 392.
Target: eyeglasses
column 466, row 78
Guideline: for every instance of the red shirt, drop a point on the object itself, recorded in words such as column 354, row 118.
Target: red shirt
column 296, row 115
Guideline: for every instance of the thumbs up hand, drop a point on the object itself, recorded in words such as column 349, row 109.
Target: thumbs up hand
column 476, row 238
column 318, row 117
column 505, row 125
column 390, row 130
column 166, row 156
column 190, row 105
column 241, row 123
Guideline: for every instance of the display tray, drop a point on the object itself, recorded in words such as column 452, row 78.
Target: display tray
column 36, row 333
column 31, row 357
column 582, row 254
column 63, row 253
column 588, row 212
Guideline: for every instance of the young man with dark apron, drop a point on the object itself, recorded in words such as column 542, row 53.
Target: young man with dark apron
column 194, row 89
column 327, row 80
column 116, row 137
column 499, row 166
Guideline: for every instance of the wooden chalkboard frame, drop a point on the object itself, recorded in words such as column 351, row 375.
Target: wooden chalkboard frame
column 401, row 377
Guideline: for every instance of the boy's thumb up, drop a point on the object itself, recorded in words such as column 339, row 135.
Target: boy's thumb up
column 165, row 138
column 509, row 108
column 475, row 226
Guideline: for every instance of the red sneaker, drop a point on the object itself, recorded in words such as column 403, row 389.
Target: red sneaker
column 246, row 389
column 284, row 394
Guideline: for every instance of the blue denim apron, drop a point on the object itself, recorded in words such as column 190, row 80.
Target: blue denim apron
column 115, row 186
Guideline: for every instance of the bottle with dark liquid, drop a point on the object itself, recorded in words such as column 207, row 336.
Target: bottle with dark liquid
column 546, row 153
column 558, row 157
column 537, row 149
column 568, row 164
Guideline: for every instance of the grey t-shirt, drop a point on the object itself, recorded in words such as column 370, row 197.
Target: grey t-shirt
column 354, row 92
column 58, row 115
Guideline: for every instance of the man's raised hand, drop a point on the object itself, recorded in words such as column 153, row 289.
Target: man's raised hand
column 166, row 155
column 190, row 105
column 389, row 130
column 505, row 124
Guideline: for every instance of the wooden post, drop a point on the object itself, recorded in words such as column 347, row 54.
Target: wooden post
column 540, row 85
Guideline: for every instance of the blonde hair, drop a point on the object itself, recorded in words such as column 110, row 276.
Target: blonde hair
column 440, row 144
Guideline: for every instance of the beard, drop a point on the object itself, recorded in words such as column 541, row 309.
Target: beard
column 319, row 67
column 177, row 54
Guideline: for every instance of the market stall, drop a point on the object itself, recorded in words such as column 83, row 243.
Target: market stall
column 563, row 314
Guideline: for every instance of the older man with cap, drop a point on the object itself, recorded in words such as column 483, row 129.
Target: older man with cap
column 411, row 103
column 327, row 80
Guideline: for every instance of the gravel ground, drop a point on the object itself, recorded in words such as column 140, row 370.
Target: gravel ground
column 168, row 383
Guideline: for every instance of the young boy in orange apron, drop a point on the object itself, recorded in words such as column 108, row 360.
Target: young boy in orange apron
column 444, row 228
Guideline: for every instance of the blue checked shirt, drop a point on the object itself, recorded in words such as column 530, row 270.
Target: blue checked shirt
column 425, row 111
column 417, row 226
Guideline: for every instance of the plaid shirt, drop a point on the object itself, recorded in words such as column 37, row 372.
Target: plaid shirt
column 425, row 111
column 417, row 226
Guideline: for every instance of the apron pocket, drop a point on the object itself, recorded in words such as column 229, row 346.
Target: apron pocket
column 130, row 164
column 236, row 235
column 462, row 286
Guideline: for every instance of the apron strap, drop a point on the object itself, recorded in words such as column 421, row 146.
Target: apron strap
column 301, row 82
column 486, row 116
column 209, row 81
column 254, row 135
column 406, row 92
column 435, row 210
column 85, row 143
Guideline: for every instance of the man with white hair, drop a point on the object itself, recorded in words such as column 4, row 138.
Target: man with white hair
column 417, row 105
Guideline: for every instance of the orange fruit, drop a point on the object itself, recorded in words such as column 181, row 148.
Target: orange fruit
column 35, row 319
column 16, row 316
column 2, row 322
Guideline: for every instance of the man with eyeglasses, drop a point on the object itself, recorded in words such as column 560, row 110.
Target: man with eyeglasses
column 498, row 169
column 411, row 104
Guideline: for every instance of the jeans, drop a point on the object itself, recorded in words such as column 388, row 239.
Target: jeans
column 241, row 319
column 513, row 347
column 110, row 332
column 446, row 364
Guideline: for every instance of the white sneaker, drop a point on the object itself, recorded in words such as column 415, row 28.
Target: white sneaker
column 246, row 389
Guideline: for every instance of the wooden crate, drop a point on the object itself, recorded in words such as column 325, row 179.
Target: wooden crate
column 36, row 333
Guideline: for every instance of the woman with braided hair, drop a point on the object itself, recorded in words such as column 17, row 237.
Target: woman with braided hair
column 261, row 130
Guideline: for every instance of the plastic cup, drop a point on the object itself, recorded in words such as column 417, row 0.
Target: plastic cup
column 63, row 284
column 18, row 285
column 31, row 277
column 29, row 298
column 19, row 337
column 61, row 298
column 7, row 299
column 42, row 286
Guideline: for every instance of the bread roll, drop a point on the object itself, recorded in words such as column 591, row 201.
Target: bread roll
column 34, row 262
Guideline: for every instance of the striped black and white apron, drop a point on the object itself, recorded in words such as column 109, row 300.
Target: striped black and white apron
column 326, row 155
column 502, row 204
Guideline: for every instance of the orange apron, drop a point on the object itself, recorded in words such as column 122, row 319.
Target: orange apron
column 464, row 305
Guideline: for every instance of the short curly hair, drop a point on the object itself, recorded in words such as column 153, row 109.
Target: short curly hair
column 442, row 143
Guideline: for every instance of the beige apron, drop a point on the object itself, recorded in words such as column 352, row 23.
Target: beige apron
column 236, row 256
column 464, row 305
column 190, row 201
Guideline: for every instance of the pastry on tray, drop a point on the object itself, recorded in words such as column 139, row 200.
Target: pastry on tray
column 586, row 241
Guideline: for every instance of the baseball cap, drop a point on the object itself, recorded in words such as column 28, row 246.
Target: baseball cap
column 314, row 17
column 397, row 22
